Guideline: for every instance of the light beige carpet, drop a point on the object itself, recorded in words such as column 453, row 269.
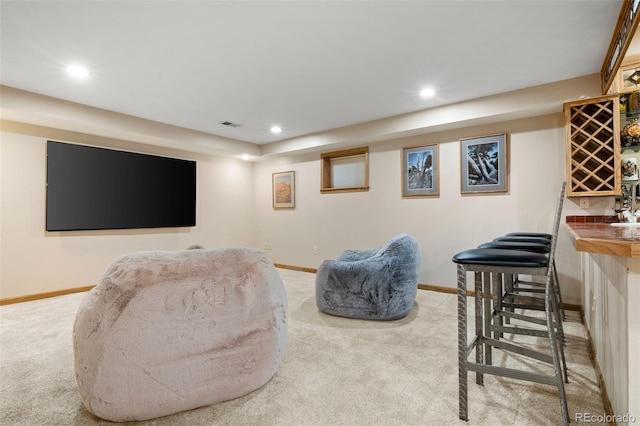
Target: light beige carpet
column 336, row 371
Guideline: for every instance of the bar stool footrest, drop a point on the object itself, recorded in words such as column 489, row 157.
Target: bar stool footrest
column 512, row 373
column 521, row 317
column 520, row 350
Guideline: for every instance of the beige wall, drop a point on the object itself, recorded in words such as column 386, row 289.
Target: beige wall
column 444, row 225
column 234, row 205
column 34, row 261
column 234, row 208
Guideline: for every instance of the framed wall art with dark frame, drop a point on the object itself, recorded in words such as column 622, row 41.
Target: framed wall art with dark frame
column 484, row 164
column 420, row 172
column 284, row 190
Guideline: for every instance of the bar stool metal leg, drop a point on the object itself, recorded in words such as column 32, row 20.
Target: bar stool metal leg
column 479, row 325
column 462, row 344
column 555, row 350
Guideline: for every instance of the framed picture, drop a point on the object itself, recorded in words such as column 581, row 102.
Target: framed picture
column 484, row 163
column 284, row 190
column 420, row 174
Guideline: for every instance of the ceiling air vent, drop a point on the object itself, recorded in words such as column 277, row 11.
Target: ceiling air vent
column 230, row 124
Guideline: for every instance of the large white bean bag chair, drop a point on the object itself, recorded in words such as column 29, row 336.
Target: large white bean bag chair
column 165, row 332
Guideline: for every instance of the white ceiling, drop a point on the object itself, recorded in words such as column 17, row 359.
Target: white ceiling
column 306, row 66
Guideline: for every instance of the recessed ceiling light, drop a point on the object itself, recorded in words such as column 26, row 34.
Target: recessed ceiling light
column 276, row 129
column 77, row 71
column 245, row 157
column 427, row 92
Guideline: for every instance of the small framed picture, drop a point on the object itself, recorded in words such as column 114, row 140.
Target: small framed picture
column 484, row 163
column 629, row 168
column 284, row 190
column 420, row 171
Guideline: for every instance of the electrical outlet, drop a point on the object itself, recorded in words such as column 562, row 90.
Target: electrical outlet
column 267, row 245
column 584, row 203
column 315, row 249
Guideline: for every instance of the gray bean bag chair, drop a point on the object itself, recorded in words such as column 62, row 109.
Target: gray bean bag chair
column 379, row 284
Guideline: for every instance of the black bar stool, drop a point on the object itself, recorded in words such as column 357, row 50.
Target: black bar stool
column 490, row 266
column 525, row 294
column 523, row 239
column 530, row 234
column 536, row 242
column 535, row 238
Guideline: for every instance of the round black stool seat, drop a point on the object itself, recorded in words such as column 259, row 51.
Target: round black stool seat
column 530, row 234
column 515, row 239
column 497, row 257
column 514, row 245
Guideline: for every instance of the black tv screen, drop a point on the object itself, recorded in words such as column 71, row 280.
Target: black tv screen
column 92, row 188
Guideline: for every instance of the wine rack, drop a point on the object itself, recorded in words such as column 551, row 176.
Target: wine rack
column 593, row 147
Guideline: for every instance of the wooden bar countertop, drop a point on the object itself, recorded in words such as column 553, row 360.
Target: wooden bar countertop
column 595, row 234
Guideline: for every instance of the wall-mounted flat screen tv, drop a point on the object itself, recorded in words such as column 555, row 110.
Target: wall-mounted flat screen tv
column 91, row 188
